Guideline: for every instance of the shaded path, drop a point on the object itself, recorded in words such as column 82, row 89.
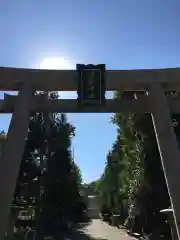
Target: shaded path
column 99, row 230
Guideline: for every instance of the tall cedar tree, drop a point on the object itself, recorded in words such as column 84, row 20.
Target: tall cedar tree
column 62, row 177
column 140, row 184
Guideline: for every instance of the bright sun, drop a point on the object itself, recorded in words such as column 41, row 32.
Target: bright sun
column 55, row 63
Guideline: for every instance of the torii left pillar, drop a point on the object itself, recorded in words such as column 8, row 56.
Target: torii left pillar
column 12, row 155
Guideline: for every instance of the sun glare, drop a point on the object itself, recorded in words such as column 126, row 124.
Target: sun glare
column 55, row 63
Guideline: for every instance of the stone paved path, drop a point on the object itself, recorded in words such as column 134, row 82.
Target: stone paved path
column 99, row 230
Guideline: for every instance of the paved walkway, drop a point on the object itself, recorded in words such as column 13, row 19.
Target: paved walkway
column 99, row 230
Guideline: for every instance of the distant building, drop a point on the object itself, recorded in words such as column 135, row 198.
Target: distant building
column 93, row 206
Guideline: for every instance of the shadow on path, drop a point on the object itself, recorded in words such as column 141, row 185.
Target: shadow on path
column 82, row 225
column 78, row 234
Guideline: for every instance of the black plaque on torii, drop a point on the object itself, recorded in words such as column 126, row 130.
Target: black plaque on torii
column 91, row 85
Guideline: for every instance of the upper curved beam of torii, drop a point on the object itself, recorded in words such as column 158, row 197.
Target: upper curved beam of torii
column 65, row 80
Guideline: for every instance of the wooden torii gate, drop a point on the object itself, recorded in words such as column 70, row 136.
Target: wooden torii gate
column 26, row 81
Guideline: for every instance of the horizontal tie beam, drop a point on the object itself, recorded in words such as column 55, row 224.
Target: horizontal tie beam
column 39, row 103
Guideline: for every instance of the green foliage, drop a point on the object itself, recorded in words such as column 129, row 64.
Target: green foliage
column 30, row 169
column 133, row 180
column 49, row 177
column 124, row 171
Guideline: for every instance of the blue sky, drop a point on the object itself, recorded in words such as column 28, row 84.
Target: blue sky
column 123, row 34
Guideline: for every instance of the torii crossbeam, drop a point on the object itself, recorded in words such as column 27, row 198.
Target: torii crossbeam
column 26, row 81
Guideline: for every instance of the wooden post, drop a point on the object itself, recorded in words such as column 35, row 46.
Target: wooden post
column 12, row 155
column 168, row 147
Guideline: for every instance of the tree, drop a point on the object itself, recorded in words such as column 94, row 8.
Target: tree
column 139, row 179
column 27, row 185
column 62, row 177
column 49, row 179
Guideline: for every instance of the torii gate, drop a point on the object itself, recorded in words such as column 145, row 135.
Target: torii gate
column 26, row 81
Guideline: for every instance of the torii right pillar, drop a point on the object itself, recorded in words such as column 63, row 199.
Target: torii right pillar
column 168, row 146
